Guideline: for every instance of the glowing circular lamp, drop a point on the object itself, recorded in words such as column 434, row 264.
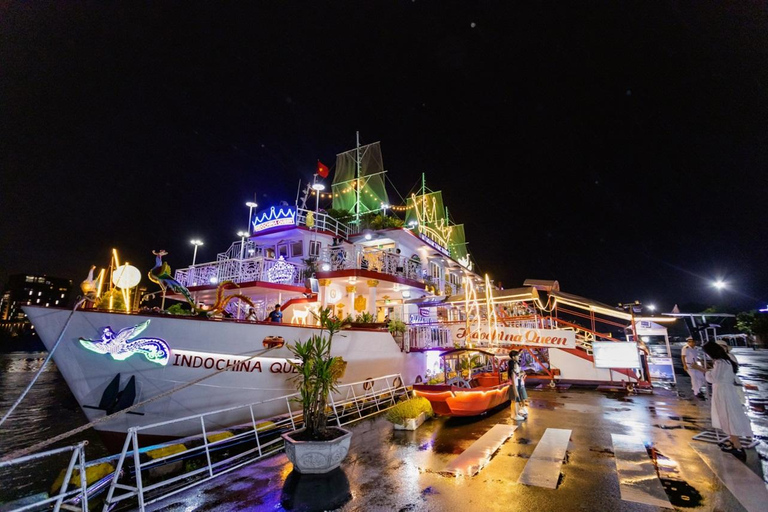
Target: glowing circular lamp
column 126, row 276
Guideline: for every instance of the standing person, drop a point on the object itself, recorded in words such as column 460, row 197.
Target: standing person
column 727, row 412
column 736, row 380
column 514, row 377
column 275, row 316
column 251, row 316
column 690, row 355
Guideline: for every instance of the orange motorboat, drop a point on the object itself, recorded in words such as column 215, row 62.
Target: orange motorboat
column 473, row 383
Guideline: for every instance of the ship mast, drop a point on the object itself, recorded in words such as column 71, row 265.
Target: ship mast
column 357, row 181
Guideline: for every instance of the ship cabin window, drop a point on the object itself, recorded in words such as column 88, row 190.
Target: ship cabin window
column 434, row 270
column 269, row 252
column 314, row 248
column 297, row 249
column 282, row 250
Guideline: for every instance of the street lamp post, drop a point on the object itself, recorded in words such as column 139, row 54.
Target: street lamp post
column 196, row 243
column 242, row 235
column 251, row 205
column 317, row 187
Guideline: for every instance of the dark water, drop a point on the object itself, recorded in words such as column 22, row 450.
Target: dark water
column 48, row 410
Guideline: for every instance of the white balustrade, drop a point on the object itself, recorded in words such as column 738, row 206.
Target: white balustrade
column 420, row 337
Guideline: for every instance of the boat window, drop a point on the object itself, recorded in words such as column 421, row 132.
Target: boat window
column 314, row 248
column 269, row 252
column 434, row 270
column 297, row 249
column 282, row 250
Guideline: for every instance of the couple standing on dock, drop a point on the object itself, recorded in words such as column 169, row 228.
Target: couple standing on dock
column 517, row 377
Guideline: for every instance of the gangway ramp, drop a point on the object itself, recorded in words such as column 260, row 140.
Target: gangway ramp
column 474, row 458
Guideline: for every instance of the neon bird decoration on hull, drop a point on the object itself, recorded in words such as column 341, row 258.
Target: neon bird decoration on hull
column 122, row 345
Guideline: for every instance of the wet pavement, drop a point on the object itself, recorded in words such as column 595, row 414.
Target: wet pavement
column 403, row 471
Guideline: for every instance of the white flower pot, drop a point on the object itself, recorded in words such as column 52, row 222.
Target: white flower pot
column 412, row 423
column 314, row 457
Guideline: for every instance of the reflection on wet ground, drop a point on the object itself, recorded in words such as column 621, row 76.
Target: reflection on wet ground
column 402, row 470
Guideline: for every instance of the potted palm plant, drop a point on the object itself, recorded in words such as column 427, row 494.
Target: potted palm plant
column 317, row 448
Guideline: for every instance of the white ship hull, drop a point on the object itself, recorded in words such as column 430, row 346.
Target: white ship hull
column 198, row 348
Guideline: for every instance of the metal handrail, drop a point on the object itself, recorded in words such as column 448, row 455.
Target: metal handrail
column 76, row 460
column 379, row 394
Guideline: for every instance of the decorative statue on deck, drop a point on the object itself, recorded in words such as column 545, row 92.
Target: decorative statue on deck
column 161, row 275
column 221, row 301
column 89, row 287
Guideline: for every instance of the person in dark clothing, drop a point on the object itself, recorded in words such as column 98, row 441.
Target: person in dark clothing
column 276, row 316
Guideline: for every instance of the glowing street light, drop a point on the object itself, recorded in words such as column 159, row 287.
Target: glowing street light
column 196, row 243
column 719, row 284
column 242, row 235
column 251, row 205
column 651, row 307
column 317, row 187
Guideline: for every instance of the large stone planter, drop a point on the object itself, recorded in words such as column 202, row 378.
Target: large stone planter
column 412, row 423
column 314, row 457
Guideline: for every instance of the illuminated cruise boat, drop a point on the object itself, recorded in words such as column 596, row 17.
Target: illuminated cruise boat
column 378, row 265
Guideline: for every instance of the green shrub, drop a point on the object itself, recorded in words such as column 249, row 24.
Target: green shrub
column 178, row 309
column 410, row 408
column 364, row 318
column 396, row 327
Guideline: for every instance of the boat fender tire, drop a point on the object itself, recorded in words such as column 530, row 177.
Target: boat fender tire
column 419, row 380
column 398, row 382
column 368, row 384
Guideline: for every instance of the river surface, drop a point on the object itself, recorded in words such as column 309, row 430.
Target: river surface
column 48, row 410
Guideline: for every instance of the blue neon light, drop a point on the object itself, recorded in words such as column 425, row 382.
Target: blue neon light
column 284, row 216
column 122, row 345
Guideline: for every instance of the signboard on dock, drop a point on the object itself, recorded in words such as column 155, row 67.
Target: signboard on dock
column 611, row 354
column 509, row 336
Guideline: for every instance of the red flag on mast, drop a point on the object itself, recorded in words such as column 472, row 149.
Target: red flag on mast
column 322, row 169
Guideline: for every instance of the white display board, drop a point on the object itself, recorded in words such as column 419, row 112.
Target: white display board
column 610, row 354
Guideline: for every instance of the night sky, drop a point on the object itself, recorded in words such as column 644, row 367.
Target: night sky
column 619, row 147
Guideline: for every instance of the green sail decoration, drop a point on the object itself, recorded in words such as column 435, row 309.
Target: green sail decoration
column 373, row 193
column 427, row 211
column 458, row 243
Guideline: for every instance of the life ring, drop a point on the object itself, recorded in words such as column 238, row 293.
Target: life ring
column 398, row 382
column 419, row 380
column 273, row 342
column 368, row 384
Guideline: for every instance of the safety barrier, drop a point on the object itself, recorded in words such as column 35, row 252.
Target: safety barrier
column 59, row 501
column 153, row 473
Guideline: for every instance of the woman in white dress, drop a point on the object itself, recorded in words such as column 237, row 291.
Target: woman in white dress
column 727, row 412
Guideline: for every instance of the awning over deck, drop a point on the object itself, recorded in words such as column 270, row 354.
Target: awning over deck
column 600, row 308
column 498, row 296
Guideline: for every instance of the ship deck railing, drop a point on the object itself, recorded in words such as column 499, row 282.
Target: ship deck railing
column 383, row 261
column 324, row 222
column 149, row 474
column 244, row 270
column 68, row 499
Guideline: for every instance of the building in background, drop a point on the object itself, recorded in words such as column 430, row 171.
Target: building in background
column 27, row 289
